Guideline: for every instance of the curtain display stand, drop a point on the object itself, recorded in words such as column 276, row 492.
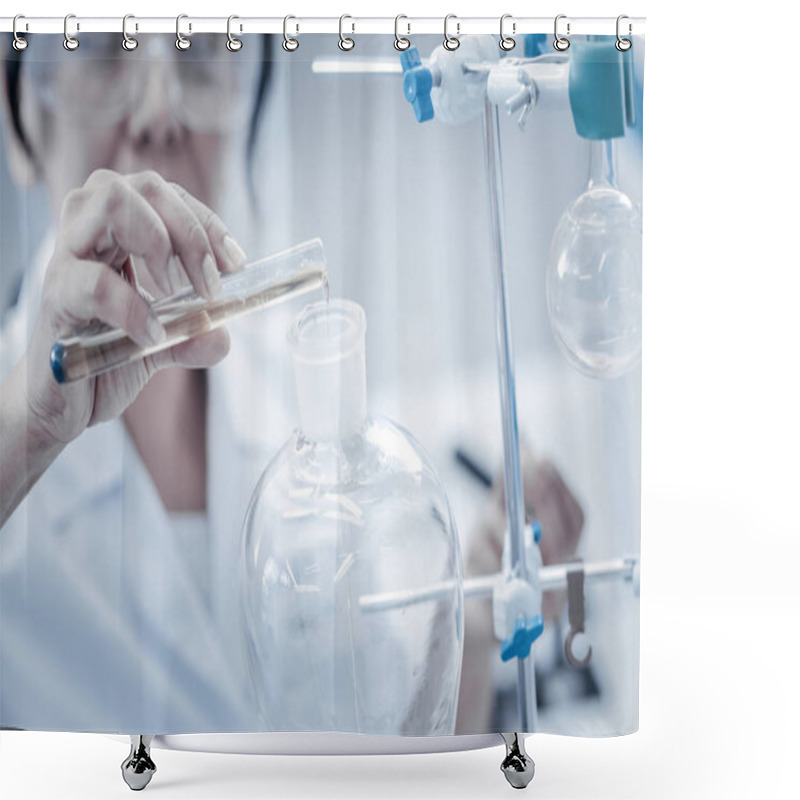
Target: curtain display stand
column 518, row 85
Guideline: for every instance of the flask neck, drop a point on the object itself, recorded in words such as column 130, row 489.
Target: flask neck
column 328, row 352
column 602, row 162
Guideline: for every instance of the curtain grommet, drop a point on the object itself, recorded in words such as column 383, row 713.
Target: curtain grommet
column 19, row 43
column 561, row 43
column 451, row 43
column 289, row 44
column 129, row 43
column 345, row 42
column 70, row 42
column 622, row 44
column 401, row 43
column 233, row 44
column 181, row 41
column 507, row 42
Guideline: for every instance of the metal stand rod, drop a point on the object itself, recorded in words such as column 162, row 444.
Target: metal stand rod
column 512, row 471
column 551, row 578
column 517, row 766
column 138, row 768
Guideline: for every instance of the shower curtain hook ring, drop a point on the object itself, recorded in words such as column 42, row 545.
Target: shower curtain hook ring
column 451, row 42
column 233, row 44
column 70, row 42
column 129, row 43
column 345, row 42
column 561, row 43
column 507, row 42
column 20, row 42
column 181, row 41
column 289, row 44
column 401, row 42
column 623, row 44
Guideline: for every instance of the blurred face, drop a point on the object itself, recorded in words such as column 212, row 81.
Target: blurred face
column 154, row 108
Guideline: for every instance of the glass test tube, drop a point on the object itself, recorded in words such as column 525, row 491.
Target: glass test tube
column 98, row 348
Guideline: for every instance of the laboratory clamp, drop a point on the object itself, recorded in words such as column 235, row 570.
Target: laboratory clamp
column 474, row 73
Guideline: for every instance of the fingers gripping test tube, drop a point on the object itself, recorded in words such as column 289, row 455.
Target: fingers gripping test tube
column 98, row 348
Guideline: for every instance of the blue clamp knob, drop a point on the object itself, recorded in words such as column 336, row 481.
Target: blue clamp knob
column 601, row 88
column 536, row 528
column 537, row 44
column 526, row 632
column 417, row 84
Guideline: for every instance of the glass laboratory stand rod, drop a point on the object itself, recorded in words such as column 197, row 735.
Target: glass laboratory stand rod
column 512, row 471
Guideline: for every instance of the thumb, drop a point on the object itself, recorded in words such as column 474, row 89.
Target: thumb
column 201, row 351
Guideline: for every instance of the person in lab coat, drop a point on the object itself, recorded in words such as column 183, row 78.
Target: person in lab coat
column 123, row 495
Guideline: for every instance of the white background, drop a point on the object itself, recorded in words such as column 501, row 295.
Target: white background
column 720, row 696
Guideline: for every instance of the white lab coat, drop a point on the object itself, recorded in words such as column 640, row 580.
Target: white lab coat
column 103, row 626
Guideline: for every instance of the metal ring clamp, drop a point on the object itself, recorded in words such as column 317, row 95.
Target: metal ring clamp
column 623, row 44
column 577, row 615
column 507, row 42
column 451, row 42
column 129, row 43
column 574, row 661
column 400, row 42
column 20, row 42
column 233, row 44
column 181, row 42
column 561, row 43
column 70, row 42
column 289, row 44
column 345, row 42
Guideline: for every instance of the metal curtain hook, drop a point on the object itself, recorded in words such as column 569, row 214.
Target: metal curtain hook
column 623, row 44
column 345, row 43
column 561, row 43
column 289, row 44
column 70, row 42
column 400, row 42
column 181, row 42
column 20, row 42
column 128, row 42
column 451, row 42
column 507, row 42
column 233, row 44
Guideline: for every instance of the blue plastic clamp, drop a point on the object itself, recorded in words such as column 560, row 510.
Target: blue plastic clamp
column 600, row 87
column 417, row 84
column 537, row 44
column 526, row 632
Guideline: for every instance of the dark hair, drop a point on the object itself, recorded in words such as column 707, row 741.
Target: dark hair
column 14, row 64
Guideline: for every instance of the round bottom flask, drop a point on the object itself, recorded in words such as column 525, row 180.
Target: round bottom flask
column 348, row 521
column 594, row 275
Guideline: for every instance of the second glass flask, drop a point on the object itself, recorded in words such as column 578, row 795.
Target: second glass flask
column 350, row 512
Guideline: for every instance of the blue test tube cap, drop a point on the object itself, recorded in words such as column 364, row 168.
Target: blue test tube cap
column 600, row 87
column 536, row 529
column 417, row 84
column 57, row 357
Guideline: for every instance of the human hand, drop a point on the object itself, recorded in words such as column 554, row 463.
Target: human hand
column 103, row 225
column 548, row 500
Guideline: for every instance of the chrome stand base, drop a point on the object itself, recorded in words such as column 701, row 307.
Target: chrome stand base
column 517, row 766
column 138, row 768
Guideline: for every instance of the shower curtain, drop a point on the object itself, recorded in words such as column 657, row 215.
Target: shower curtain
column 125, row 495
